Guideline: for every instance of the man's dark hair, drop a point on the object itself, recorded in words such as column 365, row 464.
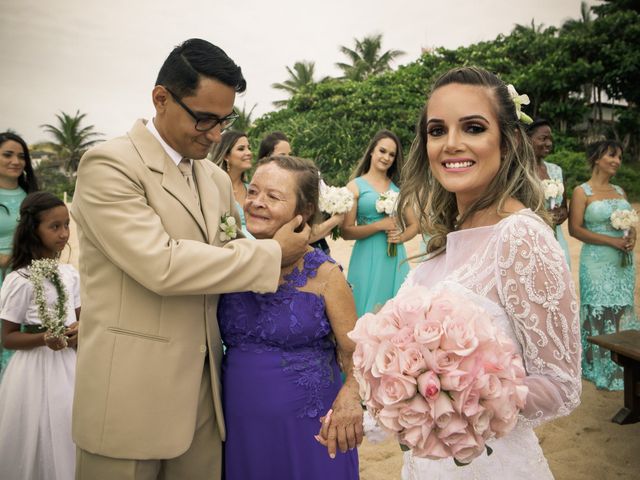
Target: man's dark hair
column 190, row 60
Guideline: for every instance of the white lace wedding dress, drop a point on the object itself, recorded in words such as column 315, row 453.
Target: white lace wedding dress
column 517, row 270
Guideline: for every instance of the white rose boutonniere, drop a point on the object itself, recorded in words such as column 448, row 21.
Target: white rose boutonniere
column 228, row 227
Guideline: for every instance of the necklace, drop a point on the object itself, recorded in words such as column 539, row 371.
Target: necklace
column 47, row 268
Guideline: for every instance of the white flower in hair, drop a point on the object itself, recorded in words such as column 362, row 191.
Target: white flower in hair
column 518, row 101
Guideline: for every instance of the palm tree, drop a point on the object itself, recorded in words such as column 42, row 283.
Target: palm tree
column 366, row 59
column 71, row 140
column 245, row 120
column 299, row 78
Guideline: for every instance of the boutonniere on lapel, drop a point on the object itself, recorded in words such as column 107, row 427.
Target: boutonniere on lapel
column 228, row 227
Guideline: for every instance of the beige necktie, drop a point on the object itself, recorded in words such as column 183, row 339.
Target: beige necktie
column 187, row 173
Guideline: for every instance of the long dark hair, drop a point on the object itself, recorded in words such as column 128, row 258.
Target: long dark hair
column 596, row 150
column 268, row 144
column 27, row 180
column 222, row 149
column 27, row 246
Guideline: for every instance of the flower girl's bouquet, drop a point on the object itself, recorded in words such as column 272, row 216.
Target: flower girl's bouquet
column 386, row 204
column 335, row 201
column 435, row 371
column 553, row 190
column 624, row 220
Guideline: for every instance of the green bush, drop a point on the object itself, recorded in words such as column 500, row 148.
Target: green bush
column 51, row 179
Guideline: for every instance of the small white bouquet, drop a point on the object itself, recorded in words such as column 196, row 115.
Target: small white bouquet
column 553, row 191
column 386, row 204
column 335, row 201
column 52, row 318
column 624, row 220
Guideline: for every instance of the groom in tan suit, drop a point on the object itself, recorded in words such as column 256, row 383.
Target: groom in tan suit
column 152, row 263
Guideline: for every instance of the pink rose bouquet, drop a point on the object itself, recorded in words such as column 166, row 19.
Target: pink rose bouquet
column 434, row 370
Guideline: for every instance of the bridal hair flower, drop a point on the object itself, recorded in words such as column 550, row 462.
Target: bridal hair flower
column 228, row 227
column 518, row 101
column 39, row 270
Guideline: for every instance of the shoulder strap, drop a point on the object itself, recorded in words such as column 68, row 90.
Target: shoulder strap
column 619, row 190
column 587, row 189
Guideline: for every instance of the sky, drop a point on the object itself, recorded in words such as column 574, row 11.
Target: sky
column 102, row 57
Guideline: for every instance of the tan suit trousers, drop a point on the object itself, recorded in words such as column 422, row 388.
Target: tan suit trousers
column 202, row 461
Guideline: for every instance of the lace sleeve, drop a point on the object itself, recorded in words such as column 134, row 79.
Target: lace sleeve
column 537, row 291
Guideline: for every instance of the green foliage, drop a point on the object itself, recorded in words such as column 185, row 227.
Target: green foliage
column 54, row 180
column 365, row 58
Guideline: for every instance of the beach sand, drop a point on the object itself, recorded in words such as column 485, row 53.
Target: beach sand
column 584, row 445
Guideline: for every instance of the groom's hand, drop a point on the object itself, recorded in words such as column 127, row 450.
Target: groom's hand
column 293, row 243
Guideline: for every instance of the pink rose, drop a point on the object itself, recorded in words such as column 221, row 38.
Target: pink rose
column 403, row 337
column 429, row 385
column 467, row 401
column 428, row 333
column 480, row 423
column 387, row 361
column 466, row 446
column 455, row 381
column 489, row 386
column 458, row 336
column 454, row 426
column 433, row 448
column 394, row 389
column 505, row 412
column 415, row 437
column 411, row 361
column 364, row 355
column 410, row 306
column 442, row 306
column 388, row 417
column 416, row 412
column 442, row 410
column 364, row 329
column 366, row 384
column 441, row 361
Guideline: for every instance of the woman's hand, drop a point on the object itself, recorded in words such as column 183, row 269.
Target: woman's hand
column 72, row 334
column 386, row 224
column 394, row 236
column 342, row 425
column 623, row 244
column 55, row 343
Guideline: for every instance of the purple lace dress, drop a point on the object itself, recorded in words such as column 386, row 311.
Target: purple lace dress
column 280, row 375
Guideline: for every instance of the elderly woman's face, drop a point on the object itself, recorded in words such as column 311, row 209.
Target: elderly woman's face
column 271, row 200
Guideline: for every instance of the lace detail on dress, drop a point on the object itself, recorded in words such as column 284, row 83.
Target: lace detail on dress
column 290, row 321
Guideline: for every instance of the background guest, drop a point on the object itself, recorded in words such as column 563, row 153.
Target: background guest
column 606, row 286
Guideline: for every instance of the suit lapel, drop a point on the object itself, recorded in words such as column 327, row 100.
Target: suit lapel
column 156, row 159
column 209, row 199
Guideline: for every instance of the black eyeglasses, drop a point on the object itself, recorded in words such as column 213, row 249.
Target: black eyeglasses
column 204, row 123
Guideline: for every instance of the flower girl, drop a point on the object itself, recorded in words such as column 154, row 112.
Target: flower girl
column 39, row 308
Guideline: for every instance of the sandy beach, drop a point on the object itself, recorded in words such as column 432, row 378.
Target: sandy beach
column 584, row 445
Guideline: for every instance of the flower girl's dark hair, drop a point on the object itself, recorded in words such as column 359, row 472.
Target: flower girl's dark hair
column 27, row 246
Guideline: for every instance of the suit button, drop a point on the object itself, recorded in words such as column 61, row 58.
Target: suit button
column 203, row 349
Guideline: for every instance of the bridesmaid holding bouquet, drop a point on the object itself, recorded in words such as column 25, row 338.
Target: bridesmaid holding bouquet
column 374, row 272
column 607, row 281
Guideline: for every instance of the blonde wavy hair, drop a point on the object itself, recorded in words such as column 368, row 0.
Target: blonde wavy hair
column 435, row 207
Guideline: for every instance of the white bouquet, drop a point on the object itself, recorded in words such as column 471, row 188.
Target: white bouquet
column 624, row 220
column 553, row 190
column 335, row 201
column 386, row 203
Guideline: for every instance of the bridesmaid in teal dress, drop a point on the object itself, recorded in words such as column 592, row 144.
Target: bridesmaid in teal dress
column 233, row 155
column 16, row 180
column 374, row 275
column 542, row 141
column 606, row 287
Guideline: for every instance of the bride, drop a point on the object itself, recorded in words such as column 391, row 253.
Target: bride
column 471, row 174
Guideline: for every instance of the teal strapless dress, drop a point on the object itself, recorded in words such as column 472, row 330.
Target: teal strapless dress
column 606, row 292
column 555, row 173
column 374, row 276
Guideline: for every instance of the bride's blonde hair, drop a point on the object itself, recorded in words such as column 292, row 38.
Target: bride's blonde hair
column 435, row 207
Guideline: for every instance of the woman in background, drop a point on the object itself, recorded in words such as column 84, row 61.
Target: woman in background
column 606, row 287
column 16, row 181
column 234, row 156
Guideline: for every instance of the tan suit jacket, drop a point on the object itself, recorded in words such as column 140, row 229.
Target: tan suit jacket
column 152, row 267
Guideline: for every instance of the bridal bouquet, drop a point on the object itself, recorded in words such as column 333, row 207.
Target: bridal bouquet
column 624, row 220
column 433, row 369
column 553, row 189
column 386, row 204
column 335, row 201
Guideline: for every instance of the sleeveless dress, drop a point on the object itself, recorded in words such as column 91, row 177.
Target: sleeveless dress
column 555, row 173
column 374, row 276
column 279, row 376
column 515, row 270
column 11, row 199
column 606, row 292
column 36, row 392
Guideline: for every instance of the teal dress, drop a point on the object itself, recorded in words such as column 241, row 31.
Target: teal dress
column 555, row 173
column 11, row 200
column 374, row 276
column 243, row 221
column 606, row 292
